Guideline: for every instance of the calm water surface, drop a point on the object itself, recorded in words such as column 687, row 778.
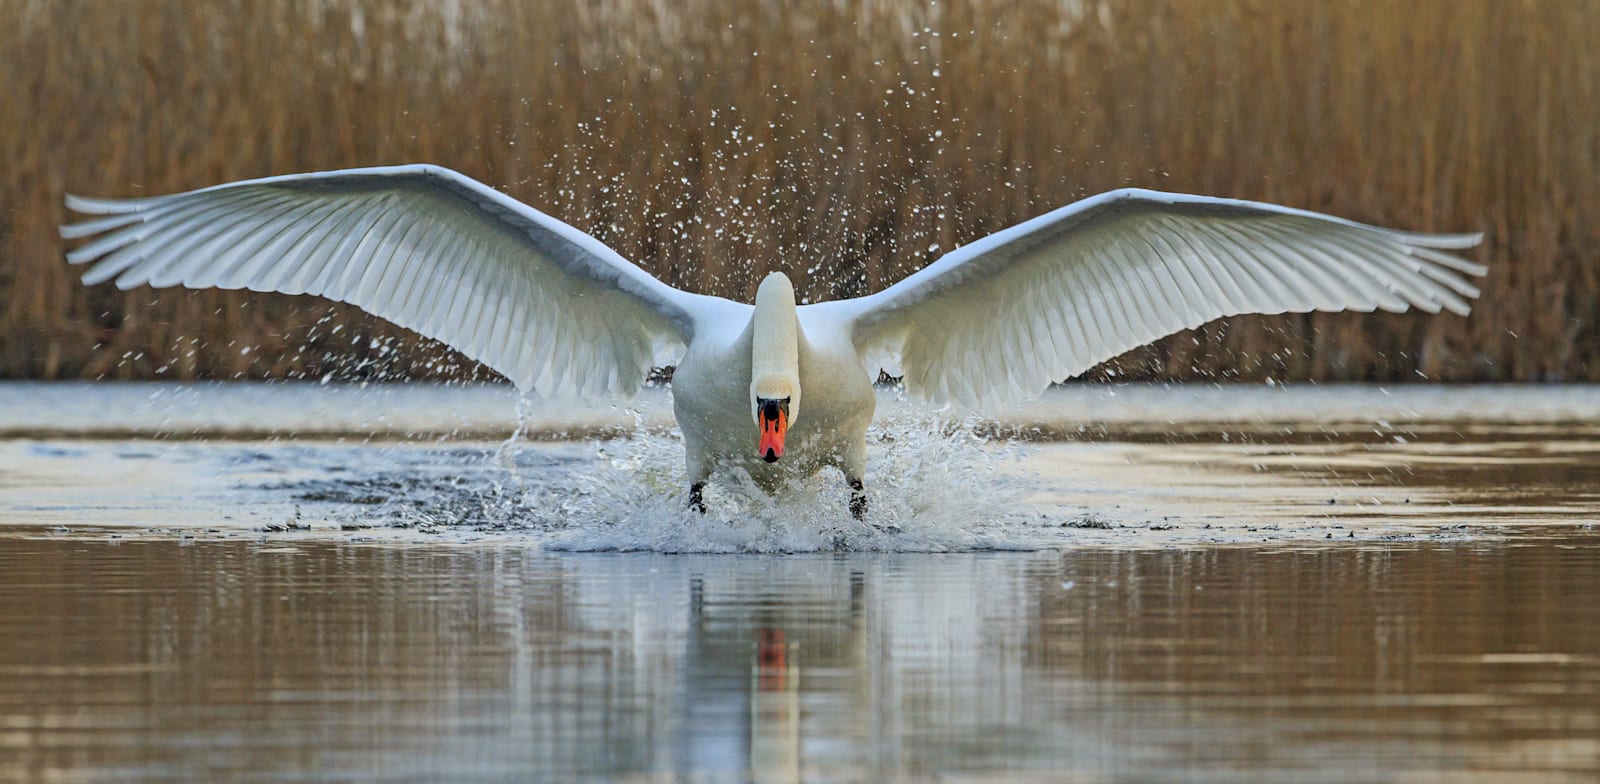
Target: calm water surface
column 1287, row 590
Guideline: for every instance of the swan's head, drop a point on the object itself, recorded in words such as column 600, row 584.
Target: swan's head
column 777, row 403
column 775, row 364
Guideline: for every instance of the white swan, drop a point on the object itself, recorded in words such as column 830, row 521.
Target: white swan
column 774, row 389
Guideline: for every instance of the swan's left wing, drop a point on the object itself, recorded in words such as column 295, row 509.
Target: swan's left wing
column 550, row 307
column 1000, row 319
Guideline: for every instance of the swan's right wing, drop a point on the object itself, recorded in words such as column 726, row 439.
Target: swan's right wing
column 548, row 306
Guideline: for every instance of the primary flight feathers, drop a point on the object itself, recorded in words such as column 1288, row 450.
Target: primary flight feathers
column 558, row 312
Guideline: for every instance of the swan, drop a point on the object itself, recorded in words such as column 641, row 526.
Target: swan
column 775, row 389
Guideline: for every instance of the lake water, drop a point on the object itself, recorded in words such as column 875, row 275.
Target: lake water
column 1165, row 584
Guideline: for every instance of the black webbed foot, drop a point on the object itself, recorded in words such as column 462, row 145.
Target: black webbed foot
column 858, row 500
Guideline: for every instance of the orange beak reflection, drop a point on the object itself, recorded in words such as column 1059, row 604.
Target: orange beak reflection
column 774, row 422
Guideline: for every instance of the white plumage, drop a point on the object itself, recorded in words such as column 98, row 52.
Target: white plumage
column 560, row 314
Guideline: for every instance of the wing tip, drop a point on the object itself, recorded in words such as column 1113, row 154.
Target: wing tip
column 126, row 282
column 1447, row 241
column 95, row 275
column 86, row 205
column 78, row 256
column 1431, row 253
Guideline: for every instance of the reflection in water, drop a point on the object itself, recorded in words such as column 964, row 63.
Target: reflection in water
column 774, row 711
column 160, row 660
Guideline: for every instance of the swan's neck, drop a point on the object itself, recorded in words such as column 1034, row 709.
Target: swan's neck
column 775, row 341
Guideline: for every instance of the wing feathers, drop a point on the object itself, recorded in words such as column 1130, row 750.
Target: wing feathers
column 424, row 247
column 1003, row 317
column 239, row 266
column 1272, row 287
column 90, row 228
column 1453, row 262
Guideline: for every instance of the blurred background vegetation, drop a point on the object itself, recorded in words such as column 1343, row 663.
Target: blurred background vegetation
column 847, row 143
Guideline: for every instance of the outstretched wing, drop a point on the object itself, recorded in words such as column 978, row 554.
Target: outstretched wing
column 548, row 306
column 1000, row 319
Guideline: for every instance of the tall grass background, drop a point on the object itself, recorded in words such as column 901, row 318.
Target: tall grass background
column 847, row 143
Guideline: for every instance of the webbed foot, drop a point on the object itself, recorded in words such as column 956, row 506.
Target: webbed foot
column 858, row 500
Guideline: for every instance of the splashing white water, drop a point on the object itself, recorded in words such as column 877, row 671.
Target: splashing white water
column 932, row 486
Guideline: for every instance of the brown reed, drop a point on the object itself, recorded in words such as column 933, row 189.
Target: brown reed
column 714, row 141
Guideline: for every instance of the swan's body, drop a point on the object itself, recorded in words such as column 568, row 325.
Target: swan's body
column 715, row 377
column 561, row 314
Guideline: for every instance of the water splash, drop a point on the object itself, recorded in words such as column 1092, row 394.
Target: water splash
column 932, row 485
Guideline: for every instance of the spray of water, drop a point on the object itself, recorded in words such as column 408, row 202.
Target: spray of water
column 933, row 485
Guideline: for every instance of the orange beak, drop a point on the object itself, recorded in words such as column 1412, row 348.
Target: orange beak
column 772, row 432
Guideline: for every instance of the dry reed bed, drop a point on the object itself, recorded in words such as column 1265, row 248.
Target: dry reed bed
column 715, row 141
